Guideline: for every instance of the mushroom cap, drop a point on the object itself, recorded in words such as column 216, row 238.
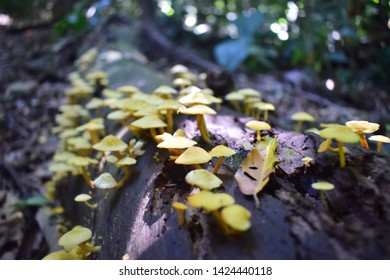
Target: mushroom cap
column 178, row 68
column 181, row 82
column 341, row 133
column 75, row 237
column 322, row 186
column 210, row 201
column 169, row 104
column 264, row 106
column 129, row 104
column 127, row 89
column 258, row 125
column 362, row 126
column 198, row 109
column 165, row 91
column 249, row 92
column 146, row 111
column 126, row 161
column 110, row 143
column 179, row 206
column 379, row 138
column 149, row 122
column 221, row 151
column 189, row 89
column 82, row 197
column 81, row 161
column 302, row 116
column 94, row 103
column 59, row 255
column 307, row 159
column 63, row 156
column 111, row 159
column 176, row 142
column 193, row 155
column 95, row 124
column 118, row 115
column 234, row 96
column 237, row 217
column 60, row 167
column 203, row 179
column 199, row 97
column 105, row 181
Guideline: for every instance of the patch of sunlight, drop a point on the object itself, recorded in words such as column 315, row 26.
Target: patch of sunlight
column 5, row 19
column 329, row 83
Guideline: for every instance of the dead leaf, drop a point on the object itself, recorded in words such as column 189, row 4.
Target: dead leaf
column 254, row 172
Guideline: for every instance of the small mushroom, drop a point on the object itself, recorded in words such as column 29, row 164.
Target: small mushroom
column 323, row 187
column 361, row 128
column 85, row 198
column 343, row 135
column 83, row 162
column 380, row 139
column 165, row 91
column 111, row 143
column 301, row 117
column 220, row 151
column 175, row 144
column 258, row 126
column 200, row 111
column 210, row 201
column 307, row 161
column 78, row 237
column 263, row 106
column 169, row 106
column 236, row 219
column 149, row 122
column 194, row 156
column 180, row 207
column 105, row 181
column 125, row 163
column 203, row 179
column 93, row 127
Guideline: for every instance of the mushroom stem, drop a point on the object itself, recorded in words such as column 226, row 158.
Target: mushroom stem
column 258, row 135
column 235, row 105
column 94, row 137
column 86, row 176
column 169, row 121
column 153, row 133
column 323, row 200
column 122, row 181
column 118, row 154
column 341, row 154
column 88, row 248
column 265, row 115
column 180, row 215
column 218, row 165
column 363, row 140
column 298, row 127
column 92, row 206
column 197, row 166
column 379, row 148
column 203, row 129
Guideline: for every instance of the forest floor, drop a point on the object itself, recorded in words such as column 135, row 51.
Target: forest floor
column 33, row 75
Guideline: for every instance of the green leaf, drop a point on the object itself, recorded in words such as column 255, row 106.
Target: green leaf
column 31, row 201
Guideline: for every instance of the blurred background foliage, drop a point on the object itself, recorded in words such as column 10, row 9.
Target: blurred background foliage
column 345, row 43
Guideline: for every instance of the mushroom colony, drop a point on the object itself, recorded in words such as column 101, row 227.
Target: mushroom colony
column 85, row 146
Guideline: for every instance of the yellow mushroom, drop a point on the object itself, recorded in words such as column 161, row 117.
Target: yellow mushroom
column 180, row 207
column 323, row 187
column 301, row 117
column 220, row 151
column 193, row 156
column 361, row 128
column 343, row 135
column 258, row 126
column 380, row 139
column 203, row 179
column 85, row 198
